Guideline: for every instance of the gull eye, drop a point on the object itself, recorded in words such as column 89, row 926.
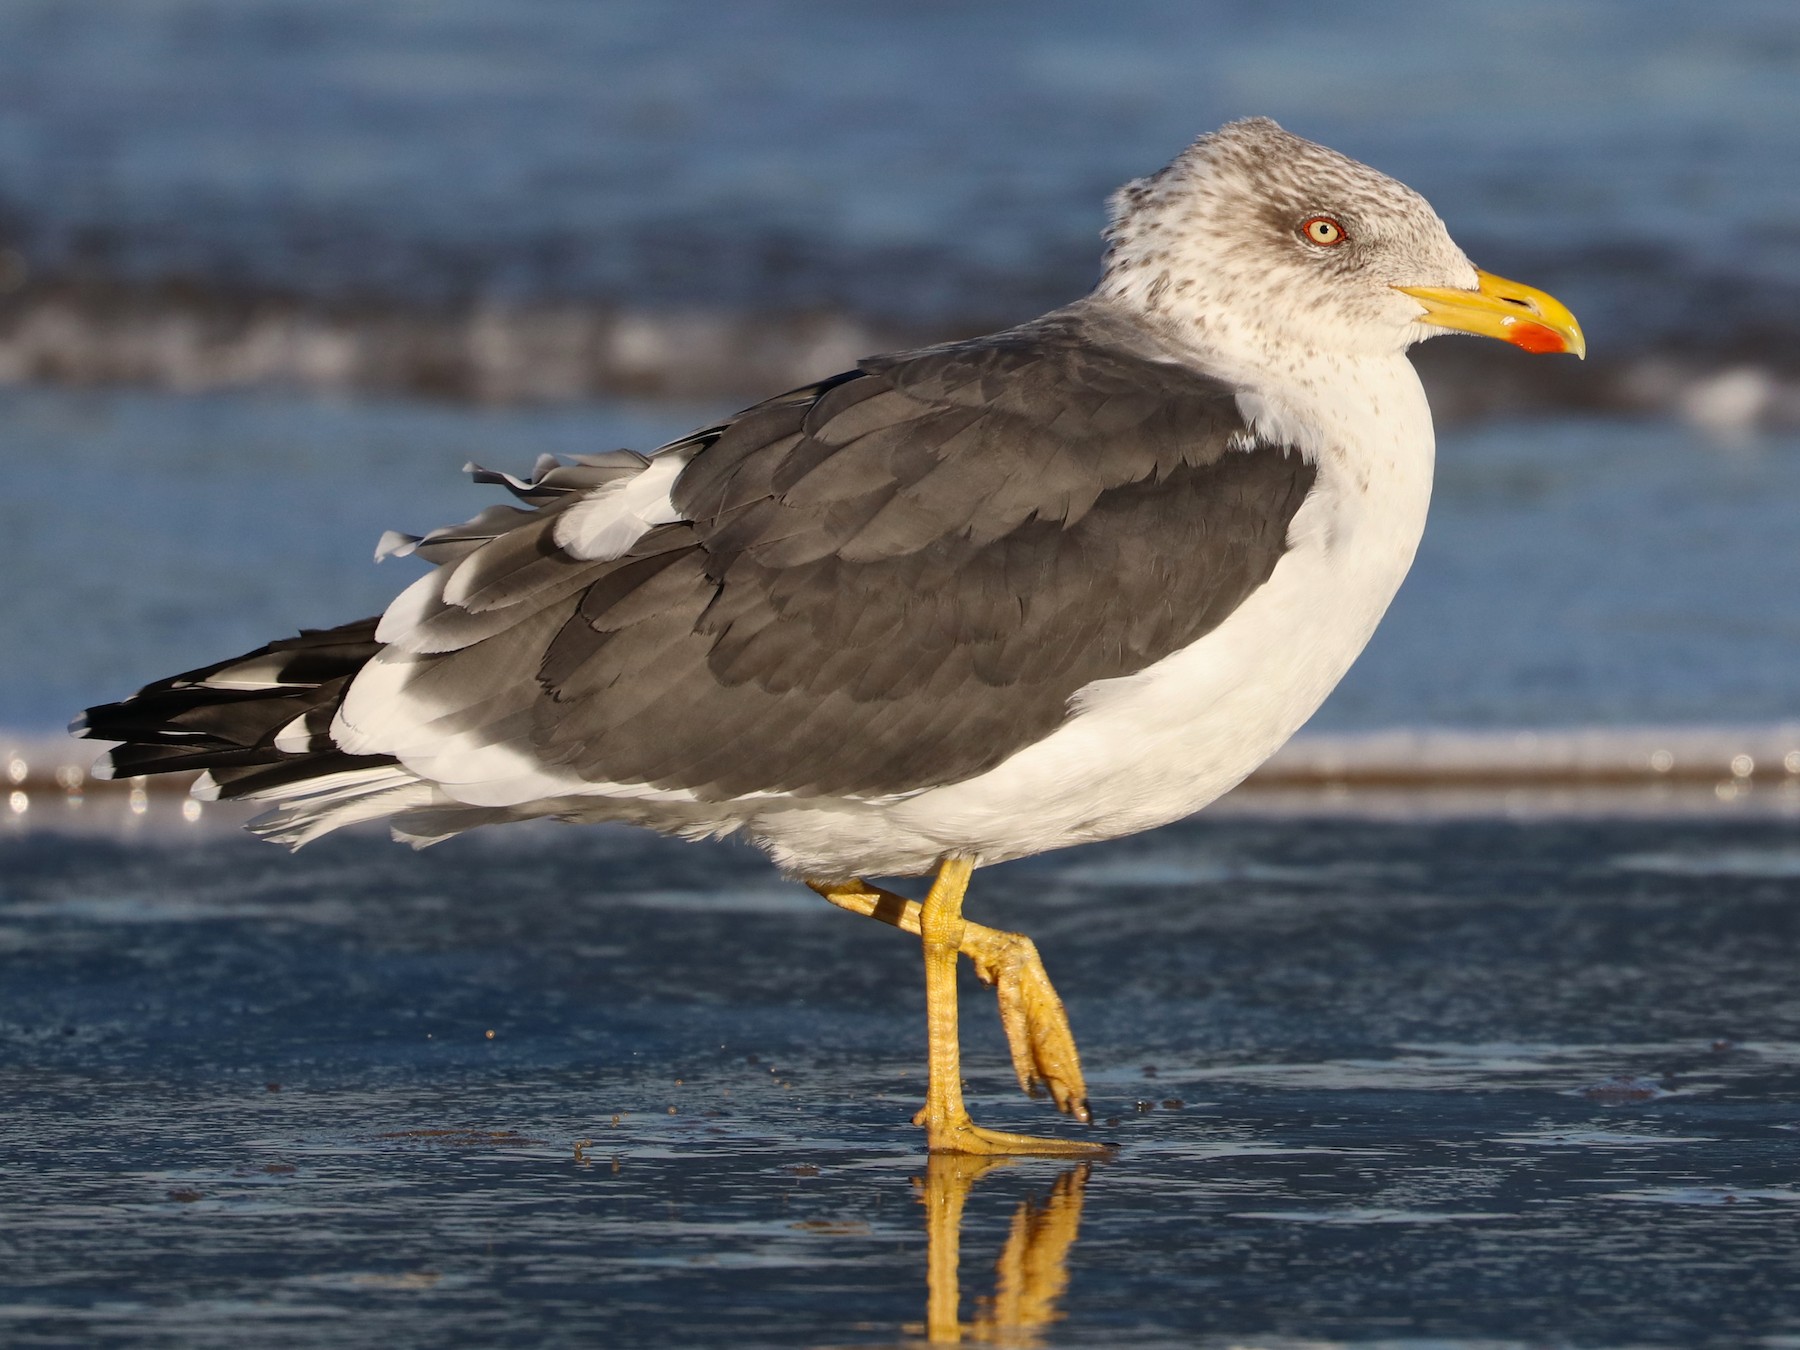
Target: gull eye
column 1323, row 231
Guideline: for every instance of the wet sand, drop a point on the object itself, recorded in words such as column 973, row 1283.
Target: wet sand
column 1463, row 1083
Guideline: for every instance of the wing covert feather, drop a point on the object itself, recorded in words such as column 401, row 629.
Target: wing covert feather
column 888, row 581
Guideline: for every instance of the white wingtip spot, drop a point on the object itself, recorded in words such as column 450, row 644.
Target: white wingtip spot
column 294, row 738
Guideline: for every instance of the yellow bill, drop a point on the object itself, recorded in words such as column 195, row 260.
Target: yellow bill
column 1508, row 310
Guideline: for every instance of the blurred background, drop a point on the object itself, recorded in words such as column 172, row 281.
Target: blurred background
column 273, row 270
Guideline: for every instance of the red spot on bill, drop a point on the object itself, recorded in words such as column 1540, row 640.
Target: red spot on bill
column 1535, row 338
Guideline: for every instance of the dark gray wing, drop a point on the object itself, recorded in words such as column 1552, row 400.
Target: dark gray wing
column 892, row 580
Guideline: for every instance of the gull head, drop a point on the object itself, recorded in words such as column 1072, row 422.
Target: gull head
column 1257, row 243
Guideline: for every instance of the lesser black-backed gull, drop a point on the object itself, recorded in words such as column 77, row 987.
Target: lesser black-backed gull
column 957, row 605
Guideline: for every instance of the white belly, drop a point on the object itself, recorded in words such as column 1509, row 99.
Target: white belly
column 1153, row 747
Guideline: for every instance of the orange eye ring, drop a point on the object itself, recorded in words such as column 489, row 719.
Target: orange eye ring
column 1322, row 231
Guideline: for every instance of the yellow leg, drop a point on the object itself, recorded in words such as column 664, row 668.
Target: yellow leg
column 948, row 1128
column 1033, row 1016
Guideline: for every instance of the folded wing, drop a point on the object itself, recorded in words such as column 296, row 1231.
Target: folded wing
column 885, row 582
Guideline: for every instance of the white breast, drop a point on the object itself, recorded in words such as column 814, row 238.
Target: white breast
column 1152, row 747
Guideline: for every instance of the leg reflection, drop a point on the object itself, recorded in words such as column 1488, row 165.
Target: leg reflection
column 1032, row 1272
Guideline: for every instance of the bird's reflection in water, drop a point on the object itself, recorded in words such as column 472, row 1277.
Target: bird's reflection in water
column 1033, row 1269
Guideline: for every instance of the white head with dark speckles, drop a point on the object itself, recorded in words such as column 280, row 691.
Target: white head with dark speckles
column 1255, row 242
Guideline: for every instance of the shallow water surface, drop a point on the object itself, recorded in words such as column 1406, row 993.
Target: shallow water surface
column 1374, row 1084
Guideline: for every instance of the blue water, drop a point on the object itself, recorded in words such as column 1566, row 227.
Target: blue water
column 1574, row 572
column 944, row 167
column 1470, row 1086
column 943, row 161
